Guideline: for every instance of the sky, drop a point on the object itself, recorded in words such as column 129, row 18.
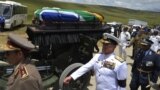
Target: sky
column 151, row 5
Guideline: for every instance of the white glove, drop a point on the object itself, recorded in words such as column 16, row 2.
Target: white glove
column 154, row 85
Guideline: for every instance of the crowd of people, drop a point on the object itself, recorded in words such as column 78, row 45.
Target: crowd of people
column 139, row 33
column 132, row 36
column 110, row 71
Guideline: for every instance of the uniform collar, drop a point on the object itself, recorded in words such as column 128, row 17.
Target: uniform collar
column 23, row 63
column 149, row 52
column 111, row 55
column 21, row 70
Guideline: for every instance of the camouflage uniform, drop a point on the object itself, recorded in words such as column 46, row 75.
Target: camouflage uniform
column 136, row 41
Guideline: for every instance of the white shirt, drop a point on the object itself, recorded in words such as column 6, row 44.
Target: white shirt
column 106, row 78
column 155, row 40
column 112, row 30
column 124, row 37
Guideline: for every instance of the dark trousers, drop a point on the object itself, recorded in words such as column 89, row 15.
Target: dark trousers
column 138, row 80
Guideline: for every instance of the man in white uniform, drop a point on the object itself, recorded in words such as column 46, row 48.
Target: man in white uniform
column 124, row 38
column 155, row 38
column 110, row 70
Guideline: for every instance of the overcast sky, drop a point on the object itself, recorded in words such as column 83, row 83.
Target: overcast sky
column 153, row 5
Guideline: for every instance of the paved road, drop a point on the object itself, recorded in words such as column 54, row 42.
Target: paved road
column 129, row 63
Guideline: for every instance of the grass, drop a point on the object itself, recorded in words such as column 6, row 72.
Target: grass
column 110, row 13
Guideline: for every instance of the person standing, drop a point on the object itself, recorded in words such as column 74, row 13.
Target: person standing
column 110, row 70
column 133, row 35
column 136, row 40
column 145, row 66
column 25, row 76
column 155, row 38
column 124, row 38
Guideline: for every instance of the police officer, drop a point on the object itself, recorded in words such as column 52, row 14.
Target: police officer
column 145, row 67
column 25, row 76
column 110, row 70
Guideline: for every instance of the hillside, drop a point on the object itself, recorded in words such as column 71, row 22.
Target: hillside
column 110, row 13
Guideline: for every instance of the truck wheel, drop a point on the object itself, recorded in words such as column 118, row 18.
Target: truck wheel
column 79, row 84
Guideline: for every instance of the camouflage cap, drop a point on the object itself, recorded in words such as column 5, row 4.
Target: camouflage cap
column 146, row 42
column 16, row 42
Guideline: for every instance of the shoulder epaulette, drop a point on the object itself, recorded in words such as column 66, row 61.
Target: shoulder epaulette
column 119, row 59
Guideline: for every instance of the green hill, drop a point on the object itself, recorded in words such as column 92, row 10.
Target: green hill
column 110, row 13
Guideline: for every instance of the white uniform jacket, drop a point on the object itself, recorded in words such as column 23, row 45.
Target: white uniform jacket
column 124, row 37
column 108, row 70
column 155, row 40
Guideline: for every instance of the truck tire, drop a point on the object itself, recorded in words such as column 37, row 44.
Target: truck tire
column 79, row 84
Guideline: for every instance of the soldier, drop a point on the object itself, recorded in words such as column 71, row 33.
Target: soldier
column 25, row 76
column 124, row 38
column 145, row 67
column 110, row 70
column 137, row 39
